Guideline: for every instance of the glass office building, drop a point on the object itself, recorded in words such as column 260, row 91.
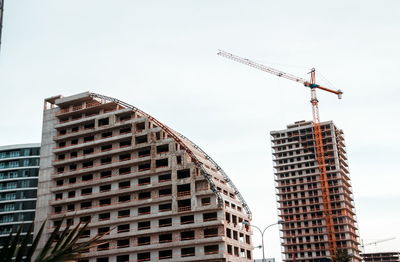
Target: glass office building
column 19, row 168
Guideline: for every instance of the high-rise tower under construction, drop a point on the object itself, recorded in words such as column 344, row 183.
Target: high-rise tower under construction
column 299, row 193
column 162, row 197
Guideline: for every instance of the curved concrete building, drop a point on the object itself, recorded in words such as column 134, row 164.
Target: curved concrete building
column 19, row 168
column 162, row 197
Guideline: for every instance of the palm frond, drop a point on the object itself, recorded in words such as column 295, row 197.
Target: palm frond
column 59, row 247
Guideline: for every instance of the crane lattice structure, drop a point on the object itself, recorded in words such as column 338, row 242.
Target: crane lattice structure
column 320, row 155
column 375, row 242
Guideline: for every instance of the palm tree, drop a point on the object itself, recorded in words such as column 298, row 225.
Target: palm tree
column 60, row 246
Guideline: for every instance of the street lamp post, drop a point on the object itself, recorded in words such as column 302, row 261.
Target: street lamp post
column 262, row 233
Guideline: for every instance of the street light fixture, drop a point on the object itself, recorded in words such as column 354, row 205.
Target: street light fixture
column 262, row 233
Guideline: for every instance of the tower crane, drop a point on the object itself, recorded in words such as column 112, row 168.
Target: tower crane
column 375, row 242
column 317, row 134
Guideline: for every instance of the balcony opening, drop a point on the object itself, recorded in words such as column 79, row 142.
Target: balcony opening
column 164, row 178
column 166, row 222
column 85, row 219
column 123, row 258
column 124, row 157
column 106, row 134
column 61, row 157
column 103, row 230
column 58, row 196
column 106, row 160
column 144, row 210
column 71, row 194
column 86, row 191
column 105, row 188
column 187, row 219
column 104, row 216
column 88, row 139
column 145, row 152
column 125, row 117
column 184, row 205
column 162, row 149
column 123, row 243
column 165, row 254
column 141, row 139
column 60, row 170
column 144, row 167
column 143, row 181
column 162, row 162
column 212, row 249
column 106, row 148
column 74, row 117
column 58, row 209
column 72, row 180
column 87, row 164
column 210, row 232
column 165, row 207
column 124, row 170
column 124, row 184
column 187, row 235
column 74, row 142
column 105, row 174
column 179, row 160
column 89, row 126
column 125, row 198
column 104, row 246
column 188, row 252
column 165, row 192
column 123, row 228
column 228, row 233
column 87, row 177
column 124, row 213
column 60, row 182
column 125, row 143
column 229, row 249
column 105, row 202
column 140, row 127
column 72, row 167
column 206, row 201
column 104, row 121
column 100, row 259
column 144, row 195
column 143, row 256
column 62, row 144
column 183, row 173
column 142, row 241
column 143, row 225
column 88, row 151
column 125, row 130
column 210, row 216
column 75, row 129
column 164, row 238
column 70, row 207
column 183, row 190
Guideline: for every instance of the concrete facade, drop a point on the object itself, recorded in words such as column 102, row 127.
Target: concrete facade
column 19, row 168
column 160, row 196
column 299, row 196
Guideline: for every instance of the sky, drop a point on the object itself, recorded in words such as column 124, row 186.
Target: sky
column 161, row 57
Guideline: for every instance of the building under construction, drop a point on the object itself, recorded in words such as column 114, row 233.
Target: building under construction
column 161, row 197
column 317, row 221
column 381, row 257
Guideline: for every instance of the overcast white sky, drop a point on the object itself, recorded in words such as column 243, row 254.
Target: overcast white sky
column 161, row 57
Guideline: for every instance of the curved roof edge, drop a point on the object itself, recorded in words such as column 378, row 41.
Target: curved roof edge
column 178, row 138
column 19, row 146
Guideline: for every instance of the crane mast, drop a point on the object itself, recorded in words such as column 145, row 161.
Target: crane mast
column 319, row 146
